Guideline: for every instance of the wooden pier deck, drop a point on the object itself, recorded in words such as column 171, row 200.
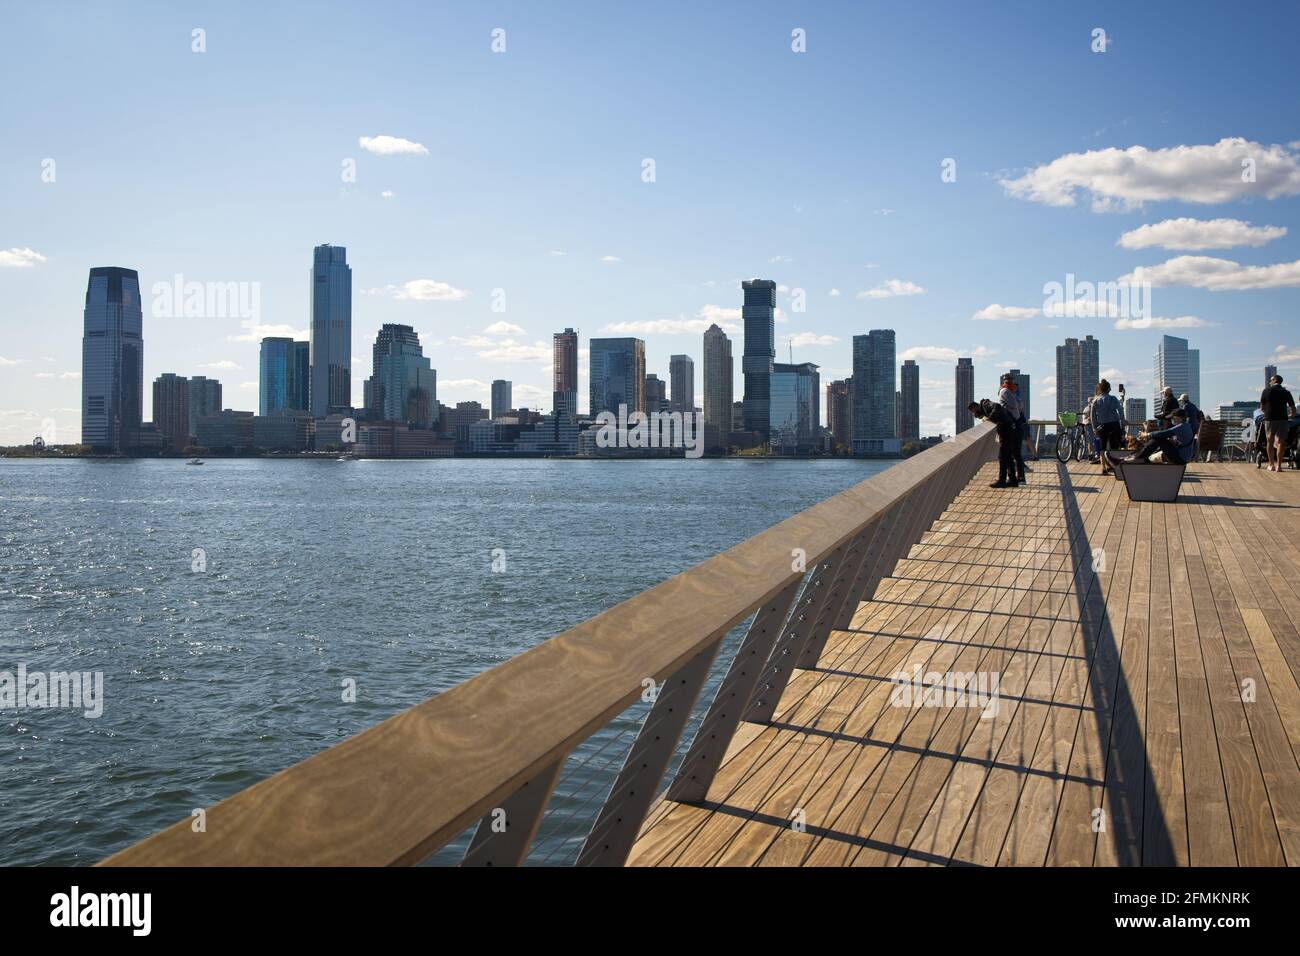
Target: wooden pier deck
column 1148, row 712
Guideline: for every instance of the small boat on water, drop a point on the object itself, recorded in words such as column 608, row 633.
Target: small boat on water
column 194, row 461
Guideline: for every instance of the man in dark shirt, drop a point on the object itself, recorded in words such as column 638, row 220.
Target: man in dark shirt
column 1008, row 433
column 1277, row 403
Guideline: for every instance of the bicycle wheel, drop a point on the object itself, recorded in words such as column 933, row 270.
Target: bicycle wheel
column 1064, row 446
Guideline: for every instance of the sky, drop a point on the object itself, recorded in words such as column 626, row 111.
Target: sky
column 498, row 172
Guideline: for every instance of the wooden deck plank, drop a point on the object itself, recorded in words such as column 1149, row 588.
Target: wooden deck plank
column 1120, row 691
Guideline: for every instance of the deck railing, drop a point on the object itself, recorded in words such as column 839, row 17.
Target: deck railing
column 491, row 748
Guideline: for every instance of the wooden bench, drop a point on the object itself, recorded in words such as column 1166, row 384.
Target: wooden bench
column 1145, row 481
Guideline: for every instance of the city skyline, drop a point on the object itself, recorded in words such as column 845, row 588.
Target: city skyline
column 860, row 237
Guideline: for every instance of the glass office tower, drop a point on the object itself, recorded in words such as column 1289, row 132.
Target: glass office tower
column 617, row 375
column 112, row 360
column 759, row 316
column 274, row 368
column 331, row 332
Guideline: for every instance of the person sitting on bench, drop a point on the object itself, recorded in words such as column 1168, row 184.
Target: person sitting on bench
column 1175, row 442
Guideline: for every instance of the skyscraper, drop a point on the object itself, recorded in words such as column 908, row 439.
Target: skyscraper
column 205, row 399
column 403, row 387
column 719, row 380
column 1177, row 367
column 564, row 361
column 1022, row 388
column 502, row 397
column 909, row 415
column 275, row 368
column 171, row 408
column 759, row 315
column 112, row 359
column 839, row 411
column 617, row 375
column 873, row 392
column 331, row 332
column 965, row 394
column 300, row 376
column 681, row 380
column 656, row 394
column 1078, row 370
column 795, row 407
column 1269, row 372
column 1135, row 410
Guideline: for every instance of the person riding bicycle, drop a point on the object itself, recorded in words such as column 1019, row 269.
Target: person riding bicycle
column 1107, row 416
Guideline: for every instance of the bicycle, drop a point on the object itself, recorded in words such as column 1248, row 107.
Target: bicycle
column 1072, row 438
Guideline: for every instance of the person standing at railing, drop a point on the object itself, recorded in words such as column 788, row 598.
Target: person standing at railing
column 1009, row 399
column 1007, row 434
column 1276, row 402
column 1107, row 415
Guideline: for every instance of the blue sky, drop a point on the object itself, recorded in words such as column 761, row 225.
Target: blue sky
column 820, row 169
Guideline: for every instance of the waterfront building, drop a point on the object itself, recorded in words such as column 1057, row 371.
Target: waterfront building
column 502, row 400
column 839, row 417
column 564, row 361
column 965, row 394
column 1135, row 410
column 112, row 360
column 1177, row 367
column 299, row 387
column 617, row 375
column 719, row 381
column 403, row 387
column 681, row 377
column 171, row 409
column 331, row 332
column 1078, row 370
column 795, row 424
column 456, row 422
column 758, row 313
column 204, row 399
column 656, row 394
column 555, row 434
column 275, row 370
column 873, row 393
column 909, row 402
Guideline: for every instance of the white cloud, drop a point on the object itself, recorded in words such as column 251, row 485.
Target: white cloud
column 1188, row 233
column 19, row 258
column 503, row 328
column 1217, row 275
column 891, row 288
column 256, row 332
column 942, row 353
column 1126, row 178
column 465, row 384
column 69, row 375
column 801, row 339
column 387, row 194
column 1155, row 322
column 423, row 290
column 555, row 252
column 1283, row 354
column 610, row 259
column 9, row 361
column 834, row 293
column 727, row 319
column 508, row 350
column 224, row 363
column 1004, row 313
column 391, row 146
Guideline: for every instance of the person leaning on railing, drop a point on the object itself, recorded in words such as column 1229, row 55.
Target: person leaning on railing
column 1009, row 398
column 1008, row 433
column 1175, row 442
column 1107, row 417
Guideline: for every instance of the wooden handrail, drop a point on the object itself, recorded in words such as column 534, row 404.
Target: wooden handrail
column 396, row 792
